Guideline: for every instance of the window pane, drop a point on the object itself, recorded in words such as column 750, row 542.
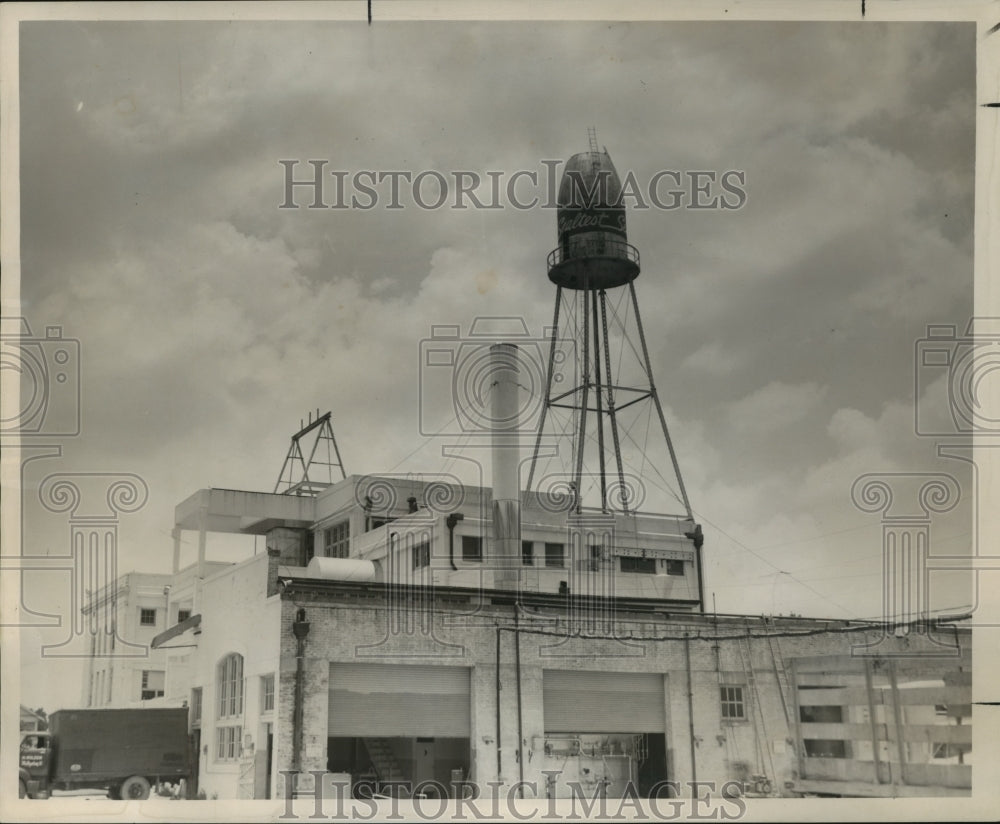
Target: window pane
column 646, row 565
column 553, row 555
column 472, row 548
column 421, row 555
column 337, row 540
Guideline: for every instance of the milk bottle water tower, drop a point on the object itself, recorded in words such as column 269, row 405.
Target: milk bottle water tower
column 597, row 317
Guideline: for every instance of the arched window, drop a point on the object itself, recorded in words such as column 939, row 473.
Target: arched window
column 229, row 708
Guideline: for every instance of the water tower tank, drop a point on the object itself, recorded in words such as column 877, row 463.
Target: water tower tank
column 593, row 251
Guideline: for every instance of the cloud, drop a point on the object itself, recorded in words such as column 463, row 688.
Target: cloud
column 775, row 406
column 712, row 358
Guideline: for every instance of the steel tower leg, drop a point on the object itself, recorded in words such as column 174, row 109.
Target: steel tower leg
column 585, row 385
column 600, row 411
column 656, row 400
column 611, row 401
column 548, row 388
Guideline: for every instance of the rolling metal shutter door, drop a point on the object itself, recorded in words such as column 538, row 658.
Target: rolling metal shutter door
column 387, row 700
column 583, row 701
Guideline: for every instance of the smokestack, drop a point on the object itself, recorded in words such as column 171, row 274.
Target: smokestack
column 506, row 453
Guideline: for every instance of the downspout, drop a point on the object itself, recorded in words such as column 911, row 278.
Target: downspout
column 690, row 690
column 520, row 722
column 699, row 539
column 300, row 628
column 451, row 521
column 499, row 769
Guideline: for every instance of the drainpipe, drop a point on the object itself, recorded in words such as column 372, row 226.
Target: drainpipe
column 694, row 764
column 300, row 628
column 520, row 722
column 451, row 521
column 499, row 765
column 698, row 538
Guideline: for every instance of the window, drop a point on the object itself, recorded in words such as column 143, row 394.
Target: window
column 554, row 555
column 196, row 707
column 267, row 692
column 421, row 555
column 337, row 540
column 147, row 617
column 733, row 708
column 944, row 750
column 821, row 715
column 824, row 748
column 183, row 615
column 647, row 565
column 231, row 686
column 595, row 559
column 229, row 708
column 527, row 553
column 675, row 567
column 228, row 744
column 152, row 684
column 472, row 548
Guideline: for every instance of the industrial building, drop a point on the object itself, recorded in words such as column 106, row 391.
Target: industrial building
column 407, row 635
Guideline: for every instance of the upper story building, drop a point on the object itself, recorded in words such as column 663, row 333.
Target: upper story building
column 445, row 534
column 122, row 668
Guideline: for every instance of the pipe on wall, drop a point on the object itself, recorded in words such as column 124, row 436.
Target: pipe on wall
column 499, row 765
column 520, row 720
column 690, row 692
column 451, row 522
column 300, row 628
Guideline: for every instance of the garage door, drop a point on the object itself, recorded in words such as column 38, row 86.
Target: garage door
column 371, row 700
column 584, row 701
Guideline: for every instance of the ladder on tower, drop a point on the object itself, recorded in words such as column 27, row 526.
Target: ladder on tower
column 301, row 475
column 592, row 137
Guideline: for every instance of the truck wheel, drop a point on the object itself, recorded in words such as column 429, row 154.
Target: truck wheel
column 135, row 788
column 22, row 789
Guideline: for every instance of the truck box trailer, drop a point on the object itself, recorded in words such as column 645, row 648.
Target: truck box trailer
column 125, row 751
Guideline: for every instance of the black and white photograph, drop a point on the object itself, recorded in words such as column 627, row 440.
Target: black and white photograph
column 499, row 412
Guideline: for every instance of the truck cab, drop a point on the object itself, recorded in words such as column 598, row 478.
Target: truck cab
column 35, row 765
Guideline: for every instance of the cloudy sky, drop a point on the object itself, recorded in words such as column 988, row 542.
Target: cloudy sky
column 782, row 334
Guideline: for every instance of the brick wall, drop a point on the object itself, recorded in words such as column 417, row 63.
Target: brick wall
column 762, row 743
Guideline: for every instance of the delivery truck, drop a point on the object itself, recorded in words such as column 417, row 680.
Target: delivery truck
column 123, row 751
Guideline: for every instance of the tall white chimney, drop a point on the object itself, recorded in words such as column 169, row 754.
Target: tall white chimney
column 506, row 459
